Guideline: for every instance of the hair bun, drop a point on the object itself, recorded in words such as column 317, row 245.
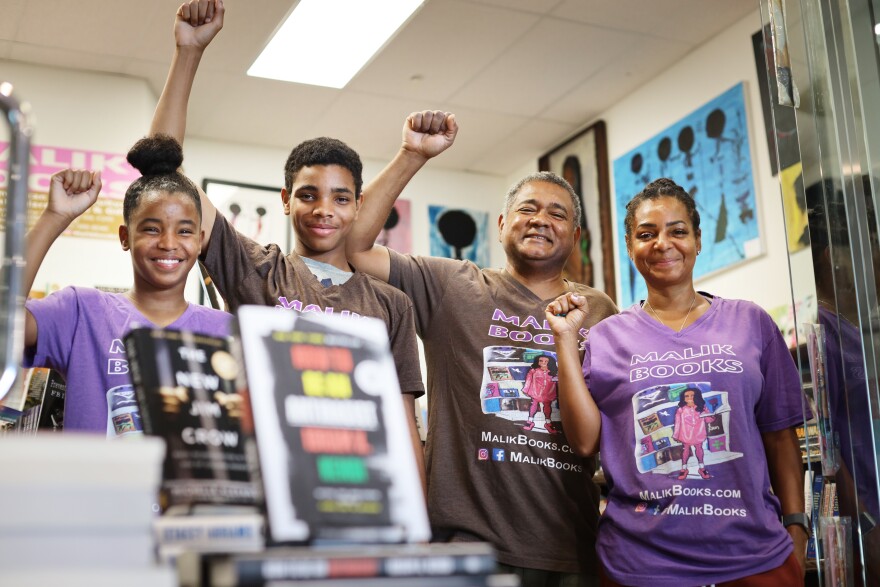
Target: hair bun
column 157, row 154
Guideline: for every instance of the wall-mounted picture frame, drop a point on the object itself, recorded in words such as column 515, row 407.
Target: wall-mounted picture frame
column 583, row 161
column 255, row 211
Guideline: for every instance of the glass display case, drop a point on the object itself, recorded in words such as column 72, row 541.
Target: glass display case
column 824, row 79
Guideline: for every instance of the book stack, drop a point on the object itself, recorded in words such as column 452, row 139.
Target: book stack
column 187, row 395
column 78, row 511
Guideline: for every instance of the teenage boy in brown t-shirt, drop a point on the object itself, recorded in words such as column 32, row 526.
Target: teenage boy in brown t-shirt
column 498, row 470
column 322, row 195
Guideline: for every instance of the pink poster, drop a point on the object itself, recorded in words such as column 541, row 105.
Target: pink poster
column 102, row 220
column 397, row 233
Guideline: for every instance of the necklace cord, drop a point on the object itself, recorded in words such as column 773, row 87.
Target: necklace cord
column 683, row 322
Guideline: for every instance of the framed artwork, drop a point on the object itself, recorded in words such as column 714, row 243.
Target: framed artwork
column 583, row 162
column 397, row 232
column 253, row 210
column 707, row 153
column 457, row 233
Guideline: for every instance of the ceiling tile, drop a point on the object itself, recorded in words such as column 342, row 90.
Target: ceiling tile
column 551, row 59
column 445, row 44
column 615, row 80
column 529, row 141
column 66, row 58
column 263, row 112
column 90, row 26
column 692, row 21
column 5, row 48
column 12, row 11
column 535, row 6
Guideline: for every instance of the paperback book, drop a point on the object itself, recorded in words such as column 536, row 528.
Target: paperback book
column 186, row 391
column 334, row 445
column 381, row 562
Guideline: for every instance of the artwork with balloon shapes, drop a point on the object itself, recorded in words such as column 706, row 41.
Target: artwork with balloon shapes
column 707, row 153
column 457, row 233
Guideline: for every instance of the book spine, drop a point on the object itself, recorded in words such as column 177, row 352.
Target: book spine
column 234, row 534
column 255, row 571
column 137, row 380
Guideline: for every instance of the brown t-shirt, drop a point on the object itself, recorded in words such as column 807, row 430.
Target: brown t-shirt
column 524, row 491
column 246, row 272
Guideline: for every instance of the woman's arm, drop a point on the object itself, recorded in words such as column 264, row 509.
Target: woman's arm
column 580, row 415
column 787, row 479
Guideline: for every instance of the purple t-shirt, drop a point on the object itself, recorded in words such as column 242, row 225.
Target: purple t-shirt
column 711, row 518
column 79, row 334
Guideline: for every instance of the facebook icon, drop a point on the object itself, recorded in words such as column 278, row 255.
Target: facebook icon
column 497, row 454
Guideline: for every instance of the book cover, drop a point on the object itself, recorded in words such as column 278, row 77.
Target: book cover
column 385, row 562
column 186, row 391
column 335, row 453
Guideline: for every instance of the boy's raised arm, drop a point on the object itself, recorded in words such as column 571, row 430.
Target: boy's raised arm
column 196, row 24
column 425, row 135
column 71, row 193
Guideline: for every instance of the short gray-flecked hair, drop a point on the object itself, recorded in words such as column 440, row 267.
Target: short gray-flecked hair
column 549, row 177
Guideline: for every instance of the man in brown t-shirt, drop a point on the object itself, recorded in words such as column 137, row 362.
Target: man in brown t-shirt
column 322, row 195
column 498, row 470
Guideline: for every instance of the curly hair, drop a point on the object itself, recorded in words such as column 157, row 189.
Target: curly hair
column 551, row 364
column 158, row 158
column 698, row 399
column 661, row 188
column 324, row 151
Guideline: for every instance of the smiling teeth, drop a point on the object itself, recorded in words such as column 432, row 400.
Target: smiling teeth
column 168, row 262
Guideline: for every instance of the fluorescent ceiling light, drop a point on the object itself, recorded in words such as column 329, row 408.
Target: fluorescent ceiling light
column 326, row 42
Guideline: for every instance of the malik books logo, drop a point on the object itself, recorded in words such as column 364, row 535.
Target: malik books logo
column 483, row 454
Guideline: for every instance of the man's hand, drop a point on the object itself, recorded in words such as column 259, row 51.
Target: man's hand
column 429, row 132
column 72, row 192
column 198, row 22
column 566, row 313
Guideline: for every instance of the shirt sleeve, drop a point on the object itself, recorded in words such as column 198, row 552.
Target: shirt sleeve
column 57, row 317
column 237, row 264
column 424, row 280
column 585, row 368
column 780, row 405
column 405, row 350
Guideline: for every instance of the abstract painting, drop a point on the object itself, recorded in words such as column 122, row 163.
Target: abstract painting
column 457, row 233
column 707, row 153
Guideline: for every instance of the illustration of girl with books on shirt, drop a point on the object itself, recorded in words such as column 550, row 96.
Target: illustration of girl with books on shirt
column 690, row 429
column 541, row 387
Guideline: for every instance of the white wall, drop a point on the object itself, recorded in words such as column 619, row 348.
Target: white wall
column 699, row 77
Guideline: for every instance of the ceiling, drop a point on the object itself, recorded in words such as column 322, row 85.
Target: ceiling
column 521, row 75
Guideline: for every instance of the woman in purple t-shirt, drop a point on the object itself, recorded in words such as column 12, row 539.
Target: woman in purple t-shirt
column 641, row 396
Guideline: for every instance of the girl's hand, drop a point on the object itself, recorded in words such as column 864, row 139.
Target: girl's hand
column 566, row 313
column 72, row 192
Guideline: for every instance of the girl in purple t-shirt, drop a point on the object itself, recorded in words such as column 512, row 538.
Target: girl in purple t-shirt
column 690, row 429
column 540, row 385
column 79, row 331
